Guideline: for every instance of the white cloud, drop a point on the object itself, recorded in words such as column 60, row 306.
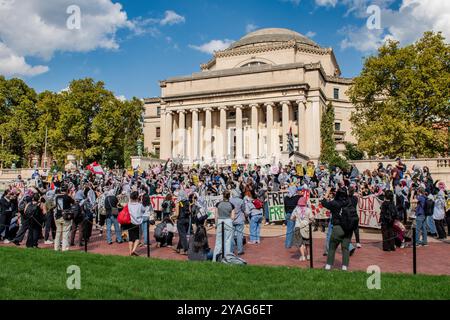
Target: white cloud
column 310, row 34
column 171, row 18
column 38, row 28
column 326, row 3
column 213, row 45
column 250, row 27
column 121, row 98
column 406, row 25
column 13, row 65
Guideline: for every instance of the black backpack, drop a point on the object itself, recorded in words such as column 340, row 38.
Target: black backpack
column 429, row 207
column 159, row 230
column 349, row 218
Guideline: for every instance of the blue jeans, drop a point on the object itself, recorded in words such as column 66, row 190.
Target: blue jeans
column 228, row 236
column 290, row 227
column 109, row 222
column 431, row 225
column 144, row 226
column 239, row 234
column 421, row 228
column 255, row 227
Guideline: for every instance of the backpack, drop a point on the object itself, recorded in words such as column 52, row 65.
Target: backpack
column 429, row 207
column 124, row 217
column 166, row 205
column 77, row 213
column 257, row 203
column 349, row 218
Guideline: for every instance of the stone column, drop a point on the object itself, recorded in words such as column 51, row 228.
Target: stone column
column 169, row 136
column 182, row 133
column 223, row 131
column 269, row 109
column 195, row 135
column 254, row 133
column 301, row 105
column 208, row 134
column 163, row 136
column 239, row 137
column 285, row 123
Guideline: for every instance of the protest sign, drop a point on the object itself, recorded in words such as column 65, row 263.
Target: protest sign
column 369, row 211
column 210, row 203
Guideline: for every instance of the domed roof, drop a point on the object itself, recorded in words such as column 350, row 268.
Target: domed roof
column 272, row 35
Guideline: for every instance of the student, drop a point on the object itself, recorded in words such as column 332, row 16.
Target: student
column 63, row 202
column 225, row 214
column 388, row 215
column 290, row 202
column 198, row 246
column 164, row 233
column 136, row 210
column 302, row 216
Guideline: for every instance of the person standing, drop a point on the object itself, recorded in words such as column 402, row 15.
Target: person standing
column 388, row 215
column 238, row 222
column 439, row 214
column 184, row 223
column 253, row 209
column 50, row 225
column 34, row 213
column 136, row 210
column 6, row 213
column 421, row 225
column 290, row 202
column 112, row 211
column 338, row 235
column 225, row 214
column 63, row 202
column 302, row 215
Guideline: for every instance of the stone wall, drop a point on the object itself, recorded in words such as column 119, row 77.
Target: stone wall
column 439, row 167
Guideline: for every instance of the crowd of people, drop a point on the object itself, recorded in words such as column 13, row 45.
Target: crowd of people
column 73, row 203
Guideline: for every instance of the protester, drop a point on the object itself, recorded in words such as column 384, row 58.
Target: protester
column 439, row 214
column 290, row 202
column 302, row 216
column 253, row 209
column 198, row 246
column 224, row 217
column 63, row 202
column 112, row 211
column 238, row 222
column 421, row 219
column 136, row 210
column 388, row 216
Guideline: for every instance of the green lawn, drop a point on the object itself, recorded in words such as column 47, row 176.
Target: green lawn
column 41, row 274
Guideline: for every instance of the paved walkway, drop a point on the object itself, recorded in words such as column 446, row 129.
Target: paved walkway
column 434, row 259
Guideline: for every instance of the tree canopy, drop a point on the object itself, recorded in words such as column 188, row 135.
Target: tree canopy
column 86, row 120
column 402, row 99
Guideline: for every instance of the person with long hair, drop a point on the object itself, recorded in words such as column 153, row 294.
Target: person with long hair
column 302, row 215
column 136, row 210
column 198, row 245
column 388, row 215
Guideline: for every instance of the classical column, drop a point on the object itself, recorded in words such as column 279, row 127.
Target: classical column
column 182, row 133
column 285, row 123
column 195, row 135
column 169, row 136
column 269, row 110
column 208, row 134
column 254, row 133
column 301, row 105
column 239, row 137
column 223, row 131
column 163, row 151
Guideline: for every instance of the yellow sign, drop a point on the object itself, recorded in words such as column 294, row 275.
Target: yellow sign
column 310, row 171
column 195, row 179
column 299, row 169
column 234, row 167
column 49, row 178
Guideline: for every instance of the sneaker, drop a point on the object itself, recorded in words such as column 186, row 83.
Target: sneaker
column 424, row 244
column 48, row 242
column 308, row 257
column 325, row 254
column 358, row 245
column 272, row 223
column 344, row 268
column 266, row 224
column 6, row 241
column 327, row 267
column 402, row 246
column 302, row 258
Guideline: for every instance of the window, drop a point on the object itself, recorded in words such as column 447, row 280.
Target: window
column 157, row 151
column 336, row 93
column 337, row 126
column 158, row 132
column 158, row 111
column 254, row 63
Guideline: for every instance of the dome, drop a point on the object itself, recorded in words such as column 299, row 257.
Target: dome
column 272, row 35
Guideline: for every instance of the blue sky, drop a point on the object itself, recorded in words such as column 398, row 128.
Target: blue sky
column 144, row 41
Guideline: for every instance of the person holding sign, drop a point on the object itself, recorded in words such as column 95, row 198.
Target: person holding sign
column 302, row 215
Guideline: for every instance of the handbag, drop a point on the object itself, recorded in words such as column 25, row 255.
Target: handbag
column 124, row 216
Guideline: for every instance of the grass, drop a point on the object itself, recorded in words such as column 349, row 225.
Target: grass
column 41, row 274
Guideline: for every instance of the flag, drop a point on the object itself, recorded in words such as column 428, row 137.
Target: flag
column 95, row 168
column 290, row 143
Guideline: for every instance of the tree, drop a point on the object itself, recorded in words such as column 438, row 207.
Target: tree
column 328, row 153
column 402, row 99
column 352, row 151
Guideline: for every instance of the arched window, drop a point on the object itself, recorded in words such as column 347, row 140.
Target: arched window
column 253, row 63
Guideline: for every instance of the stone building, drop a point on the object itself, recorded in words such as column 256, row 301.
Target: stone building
column 246, row 99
